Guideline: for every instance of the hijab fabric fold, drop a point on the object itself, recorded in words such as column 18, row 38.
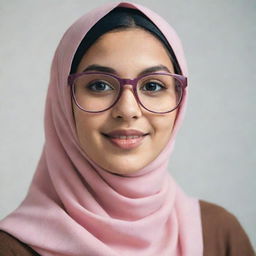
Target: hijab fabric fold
column 76, row 208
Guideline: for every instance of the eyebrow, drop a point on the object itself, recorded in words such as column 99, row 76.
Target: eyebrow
column 95, row 67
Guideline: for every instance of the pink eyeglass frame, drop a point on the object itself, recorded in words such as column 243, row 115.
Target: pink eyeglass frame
column 122, row 83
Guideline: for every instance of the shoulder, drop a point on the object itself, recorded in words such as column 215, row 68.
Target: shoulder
column 10, row 246
column 217, row 215
column 223, row 232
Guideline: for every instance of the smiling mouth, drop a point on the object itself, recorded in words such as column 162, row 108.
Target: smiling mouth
column 125, row 139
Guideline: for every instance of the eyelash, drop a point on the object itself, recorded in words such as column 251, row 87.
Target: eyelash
column 90, row 85
column 155, row 83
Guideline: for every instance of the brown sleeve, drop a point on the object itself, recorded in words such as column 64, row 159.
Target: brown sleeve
column 10, row 246
column 222, row 233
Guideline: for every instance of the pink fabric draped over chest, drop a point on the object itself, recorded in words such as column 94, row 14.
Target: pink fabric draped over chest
column 75, row 208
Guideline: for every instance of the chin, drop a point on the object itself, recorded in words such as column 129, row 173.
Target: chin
column 125, row 164
column 123, row 172
column 124, row 168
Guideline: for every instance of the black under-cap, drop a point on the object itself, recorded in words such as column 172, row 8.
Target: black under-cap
column 121, row 17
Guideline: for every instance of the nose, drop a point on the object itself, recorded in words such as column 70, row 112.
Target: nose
column 127, row 107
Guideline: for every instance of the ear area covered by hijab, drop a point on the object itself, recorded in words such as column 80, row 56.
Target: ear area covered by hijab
column 75, row 208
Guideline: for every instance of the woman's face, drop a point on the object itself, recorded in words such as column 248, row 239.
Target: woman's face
column 127, row 137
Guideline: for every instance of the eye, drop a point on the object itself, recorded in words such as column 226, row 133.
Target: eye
column 99, row 86
column 152, row 87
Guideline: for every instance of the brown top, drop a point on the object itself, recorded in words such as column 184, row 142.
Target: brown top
column 222, row 233
column 222, row 236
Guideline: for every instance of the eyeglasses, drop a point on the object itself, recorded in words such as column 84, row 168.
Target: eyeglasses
column 96, row 92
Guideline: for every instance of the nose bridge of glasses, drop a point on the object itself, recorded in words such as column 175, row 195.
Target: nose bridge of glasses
column 127, row 81
column 128, row 86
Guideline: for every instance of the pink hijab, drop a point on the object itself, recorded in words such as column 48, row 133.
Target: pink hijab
column 75, row 208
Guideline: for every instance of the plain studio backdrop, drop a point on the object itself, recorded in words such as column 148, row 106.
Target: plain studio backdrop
column 215, row 154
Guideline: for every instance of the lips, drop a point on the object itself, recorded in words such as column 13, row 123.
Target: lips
column 125, row 139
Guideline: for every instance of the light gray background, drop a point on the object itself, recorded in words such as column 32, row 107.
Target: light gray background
column 215, row 153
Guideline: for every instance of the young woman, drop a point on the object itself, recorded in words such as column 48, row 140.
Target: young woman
column 115, row 102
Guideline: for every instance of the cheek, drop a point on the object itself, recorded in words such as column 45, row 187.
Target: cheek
column 88, row 127
column 84, row 125
column 163, row 126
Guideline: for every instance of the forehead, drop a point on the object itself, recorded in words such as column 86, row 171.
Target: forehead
column 126, row 47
